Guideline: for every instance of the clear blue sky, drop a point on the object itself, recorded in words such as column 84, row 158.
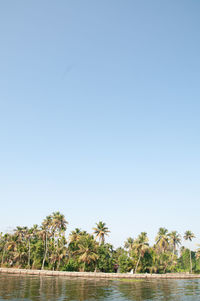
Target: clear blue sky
column 99, row 114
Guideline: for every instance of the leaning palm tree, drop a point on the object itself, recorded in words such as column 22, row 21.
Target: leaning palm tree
column 189, row 236
column 100, row 231
column 140, row 246
column 175, row 240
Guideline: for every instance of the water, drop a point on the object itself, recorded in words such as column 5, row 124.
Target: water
column 13, row 287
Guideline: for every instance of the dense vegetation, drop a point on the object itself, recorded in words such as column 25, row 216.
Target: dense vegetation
column 46, row 247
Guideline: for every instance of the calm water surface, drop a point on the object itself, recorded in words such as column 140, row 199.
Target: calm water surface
column 14, row 287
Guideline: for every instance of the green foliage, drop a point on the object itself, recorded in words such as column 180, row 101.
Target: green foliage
column 125, row 263
column 105, row 262
column 71, row 266
column 184, row 261
column 87, row 252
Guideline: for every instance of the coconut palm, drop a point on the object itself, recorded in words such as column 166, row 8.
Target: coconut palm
column 59, row 223
column 100, row 231
column 87, row 252
column 58, row 254
column 45, row 234
column 175, row 240
column 140, row 246
column 189, row 236
column 74, row 236
column 6, row 242
column 20, row 236
column 31, row 234
column 162, row 239
column 129, row 244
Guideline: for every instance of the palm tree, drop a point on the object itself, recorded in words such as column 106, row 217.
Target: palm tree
column 175, row 240
column 30, row 234
column 100, row 231
column 58, row 253
column 162, row 239
column 61, row 251
column 140, row 246
column 129, row 244
column 87, row 251
column 189, row 236
column 6, row 239
column 74, row 236
column 21, row 254
column 45, row 234
column 59, row 223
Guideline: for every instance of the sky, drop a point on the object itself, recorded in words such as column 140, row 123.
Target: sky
column 99, row 114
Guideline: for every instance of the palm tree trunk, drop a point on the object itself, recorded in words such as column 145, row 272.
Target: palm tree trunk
column 174, row 249
column 45, row 253
column 29, row 253
column 190, row 261
column 137, row 263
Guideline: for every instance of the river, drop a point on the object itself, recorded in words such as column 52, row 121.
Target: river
column 15, row 287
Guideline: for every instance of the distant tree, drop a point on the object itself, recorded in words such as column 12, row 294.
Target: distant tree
column 189, row 236
column 128, row 245
column 175, row 240
column 140, row 247
column 162, row 239
column 100, row 231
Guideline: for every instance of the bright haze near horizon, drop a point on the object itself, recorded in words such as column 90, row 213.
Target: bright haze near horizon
column 99, row 114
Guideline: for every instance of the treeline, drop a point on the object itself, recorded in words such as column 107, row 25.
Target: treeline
column 46, row 247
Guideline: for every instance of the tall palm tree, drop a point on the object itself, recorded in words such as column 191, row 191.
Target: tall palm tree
column 189, row 236
column 20, row 233
column 100, row 231
column 162, row 239
column 45, row 234
column 59, row 222
column 175, row 240
column 30, row 234
column 140, row 246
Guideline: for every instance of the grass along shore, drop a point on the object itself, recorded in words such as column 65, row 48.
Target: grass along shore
column 98, row 274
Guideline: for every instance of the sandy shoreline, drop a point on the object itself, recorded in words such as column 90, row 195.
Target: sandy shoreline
column 98, row 275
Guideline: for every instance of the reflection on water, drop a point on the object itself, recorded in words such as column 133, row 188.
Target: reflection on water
column 13, row 287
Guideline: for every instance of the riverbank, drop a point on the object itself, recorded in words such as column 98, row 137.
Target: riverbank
column 98, row 275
